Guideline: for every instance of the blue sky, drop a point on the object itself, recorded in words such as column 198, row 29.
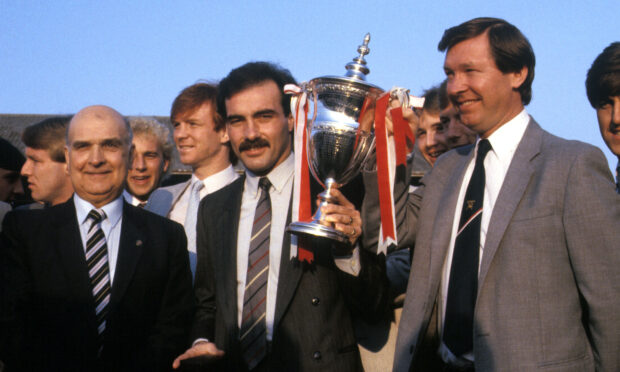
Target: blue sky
column 59, row 56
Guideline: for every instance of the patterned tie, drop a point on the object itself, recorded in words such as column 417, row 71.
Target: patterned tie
column 98, row 271
column 190, row 222
column 463, row 286
column 253, row 330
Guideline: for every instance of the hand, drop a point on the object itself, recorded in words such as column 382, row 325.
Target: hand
column 409, row 115
column 343, row 216
column 203, row 348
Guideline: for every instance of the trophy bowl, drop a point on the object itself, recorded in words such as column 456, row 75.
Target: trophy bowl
column 339, row 136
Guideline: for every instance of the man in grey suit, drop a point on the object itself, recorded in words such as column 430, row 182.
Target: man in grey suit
column 516, row 255
column 201, row 140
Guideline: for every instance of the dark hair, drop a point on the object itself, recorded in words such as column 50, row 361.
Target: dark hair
column 444, row 101
column 10, row 157
column 251, row 74
column 431, row 100
column 49, row 135
column 509, row 47
column 194, row 96
column 603, row 80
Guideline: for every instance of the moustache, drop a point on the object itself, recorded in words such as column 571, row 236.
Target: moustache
column 250, row 144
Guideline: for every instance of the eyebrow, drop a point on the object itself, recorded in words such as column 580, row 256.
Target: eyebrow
column 104, row 142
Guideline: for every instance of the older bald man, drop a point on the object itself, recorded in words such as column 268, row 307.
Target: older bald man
column 94, row 284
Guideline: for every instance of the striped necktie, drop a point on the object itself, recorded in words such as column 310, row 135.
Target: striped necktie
column 253, row 332
column 98, row 270
column 463, row 285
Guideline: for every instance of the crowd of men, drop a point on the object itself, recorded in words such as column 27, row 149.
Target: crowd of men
column 511, row 233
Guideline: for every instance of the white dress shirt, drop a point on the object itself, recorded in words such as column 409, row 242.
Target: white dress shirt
column 111, row 226
column 504, row 142
column 212, row 183
column 281, row 178
column 131, row 199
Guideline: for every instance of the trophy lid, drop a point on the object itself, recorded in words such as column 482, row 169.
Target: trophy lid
column 356, row 70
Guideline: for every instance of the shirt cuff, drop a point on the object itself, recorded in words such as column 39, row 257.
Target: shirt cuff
column 198, row 340
column 350, row 264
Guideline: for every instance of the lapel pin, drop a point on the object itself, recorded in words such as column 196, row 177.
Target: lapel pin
column 138, row 243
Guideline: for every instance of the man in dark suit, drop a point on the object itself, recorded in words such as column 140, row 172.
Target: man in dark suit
column 94, row 284
column 516, row 257
column 299, row 317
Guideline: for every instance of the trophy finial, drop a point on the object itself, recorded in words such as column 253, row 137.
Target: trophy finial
column 357, row 68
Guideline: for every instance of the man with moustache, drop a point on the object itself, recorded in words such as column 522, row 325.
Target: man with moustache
column 100, row 285
column 45, row 168
column 259, row 308
column 516, row 257
column 150, row 160
column 603, row 89
column 202, row 142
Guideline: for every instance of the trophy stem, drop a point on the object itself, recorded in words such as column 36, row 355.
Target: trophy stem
column 319, row 227
column 326, row 198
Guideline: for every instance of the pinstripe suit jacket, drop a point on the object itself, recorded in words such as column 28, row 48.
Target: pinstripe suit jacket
column 312, row 326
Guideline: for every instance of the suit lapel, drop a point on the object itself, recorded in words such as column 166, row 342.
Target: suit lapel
column 290, row 274
column 70, row 249
column 130, row 248
column 226, row 250
column 442, row 228
column 176, row 195
column 511, row 192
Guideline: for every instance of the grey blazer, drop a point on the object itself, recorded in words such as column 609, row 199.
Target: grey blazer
column 163, row 199
column 549, row 282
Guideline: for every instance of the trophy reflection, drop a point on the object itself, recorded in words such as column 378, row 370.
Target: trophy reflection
column 339, row 136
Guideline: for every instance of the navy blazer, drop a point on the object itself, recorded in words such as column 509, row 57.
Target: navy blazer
column 48, row 315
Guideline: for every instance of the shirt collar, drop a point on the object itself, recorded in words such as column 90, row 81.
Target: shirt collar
column 218, row 180
column 279, row 176
column 131, row 199
column 113, row 210
column 506, row 138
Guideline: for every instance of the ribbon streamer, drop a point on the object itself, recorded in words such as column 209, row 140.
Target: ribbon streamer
column 302, row 208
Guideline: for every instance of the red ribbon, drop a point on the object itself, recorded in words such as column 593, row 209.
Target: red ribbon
column 305, row 206
column 403, row 136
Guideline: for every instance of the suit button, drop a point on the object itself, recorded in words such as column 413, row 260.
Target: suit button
column 315, row 301
column 316, row 355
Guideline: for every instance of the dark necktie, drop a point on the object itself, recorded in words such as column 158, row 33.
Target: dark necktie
column 253, row 332
column 463, row 286
column 98, row 270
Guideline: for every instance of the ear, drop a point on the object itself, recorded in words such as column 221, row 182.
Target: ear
column 166, row 165
column 132, row 150
column 224, row 135
column 518, row 78
column 67, row 160
column 291, row 122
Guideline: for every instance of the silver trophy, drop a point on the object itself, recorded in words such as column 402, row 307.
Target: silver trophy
column 339, row 136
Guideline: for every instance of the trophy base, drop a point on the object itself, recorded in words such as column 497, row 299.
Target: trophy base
column 317, row 230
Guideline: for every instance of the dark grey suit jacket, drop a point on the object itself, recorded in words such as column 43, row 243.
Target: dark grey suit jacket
column 48, row 312
column 549, row 283
column 312, row 327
